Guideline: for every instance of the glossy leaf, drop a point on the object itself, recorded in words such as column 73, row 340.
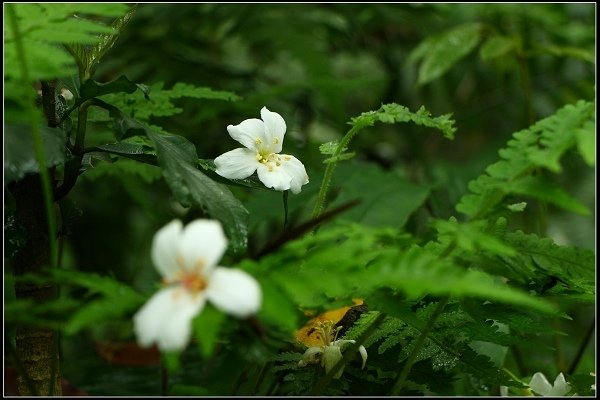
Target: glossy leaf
column 19, row 156
column 90, row 88
column 177, row 157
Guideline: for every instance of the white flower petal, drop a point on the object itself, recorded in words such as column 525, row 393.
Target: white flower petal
column 274, row 129
column 296, row 171
column 248, row 132
column 363, row 354
column 274, row 177
column 176, row 330
column 342, row 343
column 164, row 248
column 234, row 292
column 165, row 318
column 561, row 387
column 202, row 244
column 540, row 384
column 237, row 164
column 331, row 356
column 312, row 355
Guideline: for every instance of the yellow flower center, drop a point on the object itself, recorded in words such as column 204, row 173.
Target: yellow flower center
column 327, row 332
column 271, row 160
column 192, row 280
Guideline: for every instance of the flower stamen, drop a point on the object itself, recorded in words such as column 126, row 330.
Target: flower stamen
column 193, row 282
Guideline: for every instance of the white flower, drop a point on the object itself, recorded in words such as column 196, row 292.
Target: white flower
column 330, row 351
column 187, row 259
column 540, row 385
column 263, row 142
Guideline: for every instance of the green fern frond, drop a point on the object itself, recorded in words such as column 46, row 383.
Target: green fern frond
column 574, row 268
column 470, row 237
column 389, row 327
column 540, row 146
column 46, row 27
column 145, row 172
column 394, row 113
column 361, row 325
column 288, row 361
column 160, row 101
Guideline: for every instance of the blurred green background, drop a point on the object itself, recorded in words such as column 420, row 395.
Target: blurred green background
column 318, row 65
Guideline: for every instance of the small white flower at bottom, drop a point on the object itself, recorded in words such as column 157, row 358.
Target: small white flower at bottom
column 540, row 385
column 187, row 260
column 330, row 351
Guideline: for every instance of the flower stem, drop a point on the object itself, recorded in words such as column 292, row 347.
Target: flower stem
column 81, row 127
column 417, row 347
column 329, row 171
column 285, row 208
column 164, row 380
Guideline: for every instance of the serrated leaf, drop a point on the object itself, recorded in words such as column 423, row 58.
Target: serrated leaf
column 145, row 172
column 178, row 158
column 106, row 42
column 70, row 31
column 394, row 113
column 586, row 142
column 546, row 190
column 158, row 101
column 471, row 237
column 44, row 28
column 541, row 145
column 329, row 148
column 58, row 10
column 98, row 311
column 340, row 157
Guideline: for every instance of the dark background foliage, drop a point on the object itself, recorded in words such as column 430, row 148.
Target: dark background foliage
column 318, row 65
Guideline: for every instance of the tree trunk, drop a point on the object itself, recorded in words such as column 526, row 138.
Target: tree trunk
column 36, row 347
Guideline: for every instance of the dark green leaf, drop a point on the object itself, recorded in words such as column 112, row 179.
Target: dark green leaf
column 19, row 154
column 90, row 89
column 496, row 46
column 386, row 198
column 441, row 52
column 178, row 159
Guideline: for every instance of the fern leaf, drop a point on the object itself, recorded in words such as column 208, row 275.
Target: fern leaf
column 394, row 113
column 361, row 325
column 145, row 172
column 471, row 237
column 573, row 267
column 540, row 146
column 46, row 27
column 159, row 102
